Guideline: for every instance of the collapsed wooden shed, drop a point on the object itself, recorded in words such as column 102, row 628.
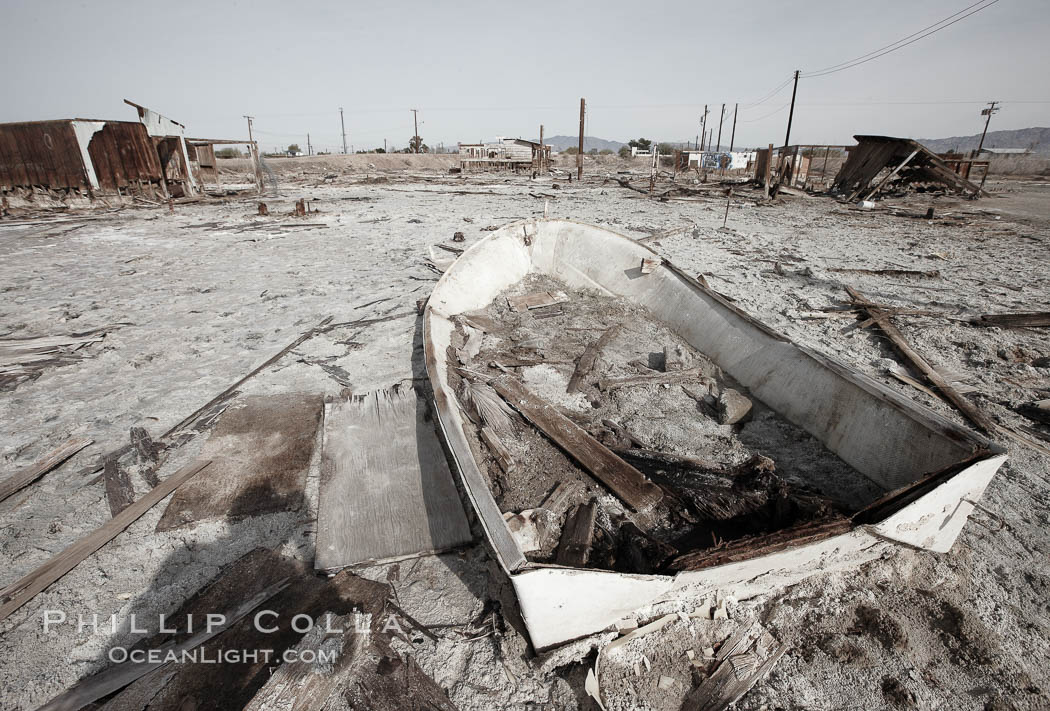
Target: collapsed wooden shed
column 907, row 162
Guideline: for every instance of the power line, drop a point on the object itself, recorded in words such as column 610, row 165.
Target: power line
column 771, row 113
column 771, row 94
column 901, row 43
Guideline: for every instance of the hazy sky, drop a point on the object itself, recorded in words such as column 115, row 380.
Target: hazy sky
column 476, row 70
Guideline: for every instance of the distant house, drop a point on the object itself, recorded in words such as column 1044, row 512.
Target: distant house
column 1005, row 151
column 504, row 154
column 737, row 160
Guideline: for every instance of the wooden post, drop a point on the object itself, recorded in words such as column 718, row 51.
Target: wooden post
column 824, row 168
column 652, row 168
column 543, row 152
column 579, row 154
column 769, row 164
column 732, row 137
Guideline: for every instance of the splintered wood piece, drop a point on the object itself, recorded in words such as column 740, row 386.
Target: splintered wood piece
column 22, row 591
column 649, row 265
column 536, row 300
column 119, row 491
column 499, row 450
column 589, row 357
column 386, row 489
column 557, row 502
column 675, row 376
column 574, row 548
column 1026, row 320
column 629, row 484
column 261, row 452
column 52, row 459
column 744, row 659
column 901, row 343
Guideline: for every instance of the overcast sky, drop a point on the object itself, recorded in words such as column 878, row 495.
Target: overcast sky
column 476, row 70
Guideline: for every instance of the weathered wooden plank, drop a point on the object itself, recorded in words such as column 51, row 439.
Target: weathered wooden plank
column 589, row 357
column 574, row 548
column 675, row 376
column 901, row 343
column 1019, row 320
column 629, row 484
column 25, row 589
column 52, row 459
column 386, row 489
column 260, row 454
column 536, row 300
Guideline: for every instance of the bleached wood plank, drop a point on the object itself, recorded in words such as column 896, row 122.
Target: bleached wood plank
column 27, row 476
column 386, row 489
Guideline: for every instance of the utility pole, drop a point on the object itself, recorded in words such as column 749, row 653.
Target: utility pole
column 986, row 112
column 250, row 139
column 579, row 154
column 721, row 120
column 703, row 128
column 732, row 137
column 543, row 152
column 384, row 145
column 791, row 113
column 343, row 125
column 415, row 122
column 309, row 150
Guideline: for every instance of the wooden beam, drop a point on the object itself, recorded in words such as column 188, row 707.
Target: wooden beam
column 882, row 318
column 675, row 376
column 629, row 484
column 22, row 591
column 574, row 548
column 52, row 459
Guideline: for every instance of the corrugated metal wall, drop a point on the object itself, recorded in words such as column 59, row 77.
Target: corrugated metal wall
column 123, row 155
column 44, row 153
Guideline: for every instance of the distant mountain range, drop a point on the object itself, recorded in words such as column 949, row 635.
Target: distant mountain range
column 1036, row 139
column 560, row 143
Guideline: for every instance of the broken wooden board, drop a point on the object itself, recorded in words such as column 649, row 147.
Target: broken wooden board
column 744, row 659
column 52, row 459
column 25, row 589
column 674, row 376
column 260, row 452
column 1025, row 320
column 204, row 684
column 536, row 300
column 629, row 484
column 386, row 489
column 590, row 355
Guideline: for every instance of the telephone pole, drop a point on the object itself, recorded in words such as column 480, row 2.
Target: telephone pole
column 721, row 120
column 309, row 150
column 732, row 137
column 703, row 128
column 986, row 112
column 579, row 153
column 415, row 122
column 250, row 139
column 343, row 125
column 791, row 113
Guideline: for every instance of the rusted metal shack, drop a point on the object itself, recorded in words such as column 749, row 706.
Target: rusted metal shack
column 79, row 155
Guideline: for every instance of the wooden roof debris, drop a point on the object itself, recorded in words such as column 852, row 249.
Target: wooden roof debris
column 907, row 160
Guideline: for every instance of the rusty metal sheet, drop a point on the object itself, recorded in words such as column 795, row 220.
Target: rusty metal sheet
column 123, row 155
column 43, row 153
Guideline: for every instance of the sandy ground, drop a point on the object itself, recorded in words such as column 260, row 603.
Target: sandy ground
column 204, row 295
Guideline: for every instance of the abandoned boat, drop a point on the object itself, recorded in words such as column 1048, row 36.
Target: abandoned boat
column 918, row 475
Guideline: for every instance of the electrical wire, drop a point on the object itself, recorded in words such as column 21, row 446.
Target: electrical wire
column 901, row 43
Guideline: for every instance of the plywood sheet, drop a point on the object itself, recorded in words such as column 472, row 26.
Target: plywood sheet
column 260, row 453
column 386, row 489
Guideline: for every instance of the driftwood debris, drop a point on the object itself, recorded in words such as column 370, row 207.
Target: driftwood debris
column 743, row 660
column 29, row 586
column 882, row 318
column 499, row 450
column 52, row 459
column 585, row 364
column 574, row 548
column 536, row 300
column 629, row 484
column 1019, row 320
column 675, row 376
column 119, row 491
